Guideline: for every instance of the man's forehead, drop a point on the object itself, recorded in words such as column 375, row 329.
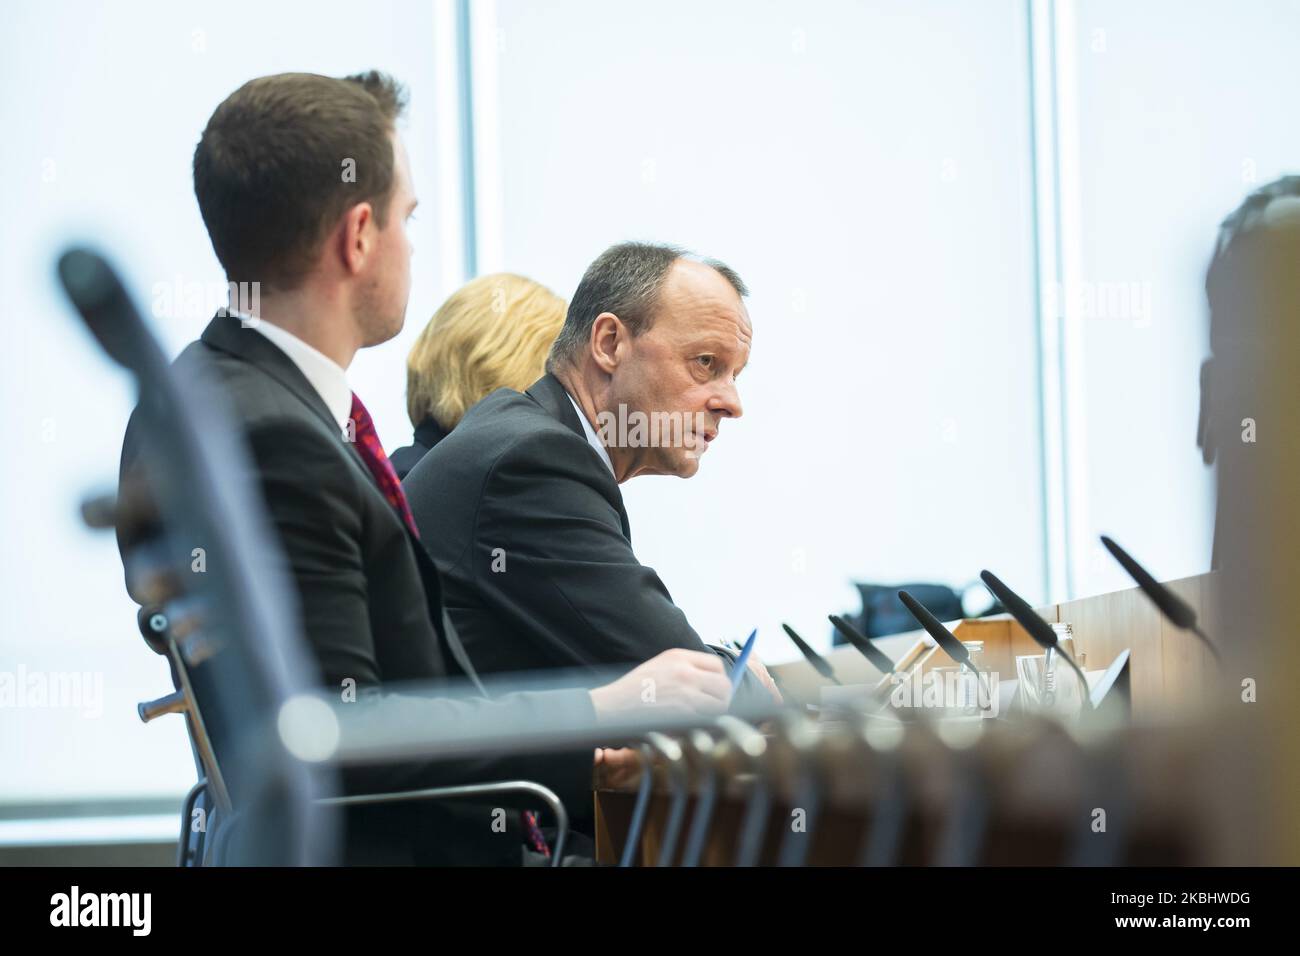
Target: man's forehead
column 699, row 299
column 401, row 161
column 698, row 278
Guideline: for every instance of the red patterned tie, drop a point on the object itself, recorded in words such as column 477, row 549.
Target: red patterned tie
column 372, row 453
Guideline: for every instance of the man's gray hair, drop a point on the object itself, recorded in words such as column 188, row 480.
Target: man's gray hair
column 626, row 280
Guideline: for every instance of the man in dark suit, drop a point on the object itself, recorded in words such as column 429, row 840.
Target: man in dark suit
column 427, row 434
column 520, row 505
column 332, row 259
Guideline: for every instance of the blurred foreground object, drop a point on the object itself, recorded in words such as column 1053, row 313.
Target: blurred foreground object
column 198, row 554
column 1249, row 425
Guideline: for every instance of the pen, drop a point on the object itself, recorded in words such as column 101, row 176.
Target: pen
column 742, row 662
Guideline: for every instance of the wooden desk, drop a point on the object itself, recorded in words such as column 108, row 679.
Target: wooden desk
column 1022, row 761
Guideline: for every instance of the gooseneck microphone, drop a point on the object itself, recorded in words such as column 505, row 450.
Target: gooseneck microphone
column 819, row 663
column 942, row 636
column 1035, row 626
column 878, row 658
column 98, row 294
column 1179, row 612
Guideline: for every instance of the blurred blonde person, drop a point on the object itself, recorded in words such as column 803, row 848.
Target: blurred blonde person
column 493, row 332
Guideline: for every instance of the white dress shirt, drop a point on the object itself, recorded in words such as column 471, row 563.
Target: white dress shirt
column 592, row 438
column 325, row 375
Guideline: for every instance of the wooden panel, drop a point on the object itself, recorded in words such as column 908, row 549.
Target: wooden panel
column 1169, row 667
column 1189, row 666
column 613, row 819
column 1104, row 626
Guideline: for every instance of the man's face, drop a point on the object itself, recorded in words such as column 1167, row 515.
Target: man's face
column 387, row 288
column 685, row 365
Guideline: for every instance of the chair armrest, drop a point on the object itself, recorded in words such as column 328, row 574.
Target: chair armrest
column 545, row 794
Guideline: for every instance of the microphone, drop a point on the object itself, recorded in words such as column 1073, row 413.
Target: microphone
column 878, row 658
column 99, row 296
column 942, row 636
column 946, row 640
column 1178, row 611
column 1036, row 627
column 106, row 309
column 819, row 663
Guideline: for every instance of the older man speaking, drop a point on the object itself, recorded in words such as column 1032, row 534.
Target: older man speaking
column 520, row 505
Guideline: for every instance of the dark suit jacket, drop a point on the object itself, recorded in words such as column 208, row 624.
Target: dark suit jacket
column 370, row 602
column 528, row 528
column 427, row 434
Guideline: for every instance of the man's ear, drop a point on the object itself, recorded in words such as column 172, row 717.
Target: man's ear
column 608, row 336
column 357, row 236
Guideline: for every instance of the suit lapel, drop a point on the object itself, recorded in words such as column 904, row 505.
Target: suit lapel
column 549, row 393
column 229, row 335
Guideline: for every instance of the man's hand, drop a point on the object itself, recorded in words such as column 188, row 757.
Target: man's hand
column 617, row 769
column 764, row 677
column 677, row 682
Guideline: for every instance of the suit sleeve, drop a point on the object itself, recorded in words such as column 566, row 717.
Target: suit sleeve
column 316, row 516
column 569, row 573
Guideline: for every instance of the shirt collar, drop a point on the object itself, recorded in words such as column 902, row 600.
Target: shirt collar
column 592, row 439
column 325, row 375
